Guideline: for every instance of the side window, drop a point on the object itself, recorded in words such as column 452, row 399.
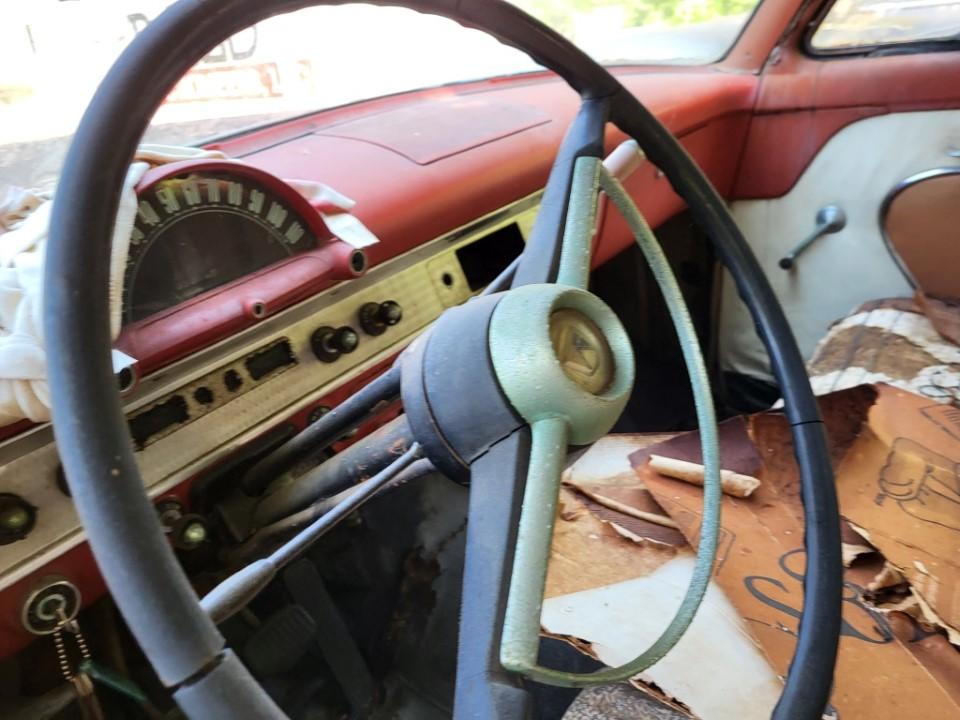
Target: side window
column 865, row 25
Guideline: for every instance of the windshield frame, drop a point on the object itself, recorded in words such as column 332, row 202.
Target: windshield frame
column 927, row 45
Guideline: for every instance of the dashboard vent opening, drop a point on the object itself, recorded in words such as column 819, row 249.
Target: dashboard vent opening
column 271, row 359
column 484, row 259
column 158, row 419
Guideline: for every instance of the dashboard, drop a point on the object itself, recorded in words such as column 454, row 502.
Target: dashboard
column 245, row 317
column 259, row 384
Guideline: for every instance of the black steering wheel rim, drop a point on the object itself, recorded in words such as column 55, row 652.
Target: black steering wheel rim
column 153, row 593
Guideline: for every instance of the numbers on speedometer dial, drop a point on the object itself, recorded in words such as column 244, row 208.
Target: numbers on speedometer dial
column 197, row 232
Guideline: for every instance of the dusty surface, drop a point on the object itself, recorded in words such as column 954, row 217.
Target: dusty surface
column 29, row 164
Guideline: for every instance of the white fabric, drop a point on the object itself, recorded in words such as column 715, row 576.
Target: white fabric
column 25, row 215
column 24, row 220
column 335, row 209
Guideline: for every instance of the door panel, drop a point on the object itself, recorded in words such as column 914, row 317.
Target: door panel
column 856, row 169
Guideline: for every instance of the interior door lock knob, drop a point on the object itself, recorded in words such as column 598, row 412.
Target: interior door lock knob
column 375, row 318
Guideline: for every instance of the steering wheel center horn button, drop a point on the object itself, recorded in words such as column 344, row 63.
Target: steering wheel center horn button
column 560, row 352
column 499, row 362
column 582, row 350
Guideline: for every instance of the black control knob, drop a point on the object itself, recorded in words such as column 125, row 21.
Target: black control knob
column 17, row 518
column 375, row 318
column 330, row 343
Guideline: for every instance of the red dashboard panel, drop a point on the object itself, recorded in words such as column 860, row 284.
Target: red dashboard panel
column 406, row 202
column 455, row 125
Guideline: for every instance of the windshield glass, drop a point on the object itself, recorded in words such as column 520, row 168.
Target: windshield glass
column 53, row 54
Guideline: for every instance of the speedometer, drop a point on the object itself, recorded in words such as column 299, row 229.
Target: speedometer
column 198, row 231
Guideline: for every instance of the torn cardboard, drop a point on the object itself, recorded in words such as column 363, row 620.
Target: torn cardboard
column 588, row 553
column 900, row 483
column 892, row 342
column 612, row 597
column 761, row 568
column 604, row 471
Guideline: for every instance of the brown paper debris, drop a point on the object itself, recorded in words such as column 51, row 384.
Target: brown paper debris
column 657, row 518
column 931, row 649
column 900, row 483
column 716, row 668
column 588, row 553
column 607, row 461
column 761, row 569
column 887, row 578
column 894, row 659
column 608, row 487
column 854, row 544
column 610, row 591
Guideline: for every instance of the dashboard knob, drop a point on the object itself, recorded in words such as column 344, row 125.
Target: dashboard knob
column 375, row 318
column 330, row 343
column 17, row 518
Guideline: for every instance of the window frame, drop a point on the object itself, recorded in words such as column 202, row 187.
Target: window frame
column 909, row 47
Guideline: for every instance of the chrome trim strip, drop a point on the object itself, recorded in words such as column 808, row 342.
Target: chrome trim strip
column 907, row 182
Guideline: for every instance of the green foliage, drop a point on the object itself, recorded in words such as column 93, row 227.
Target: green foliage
column 562, row 14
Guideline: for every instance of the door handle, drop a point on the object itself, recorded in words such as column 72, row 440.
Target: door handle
column 830, row 219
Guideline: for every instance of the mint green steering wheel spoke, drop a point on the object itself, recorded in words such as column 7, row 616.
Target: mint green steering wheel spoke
column 581, row 224
column 521, row 625
column 554, row 423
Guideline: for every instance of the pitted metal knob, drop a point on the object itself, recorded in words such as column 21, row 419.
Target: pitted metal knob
column 17, row 518
column 330, row 343
column 375, row 318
